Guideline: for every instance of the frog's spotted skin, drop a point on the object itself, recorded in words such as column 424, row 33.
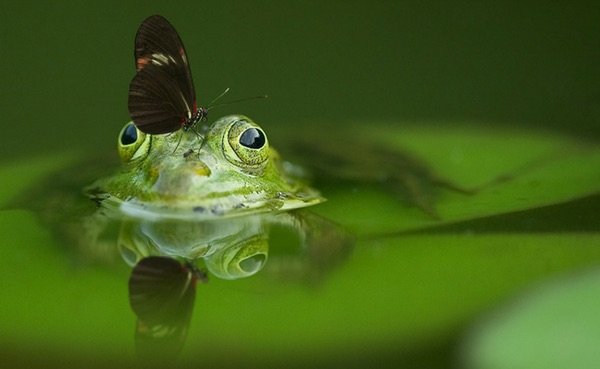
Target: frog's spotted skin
column 230, row 171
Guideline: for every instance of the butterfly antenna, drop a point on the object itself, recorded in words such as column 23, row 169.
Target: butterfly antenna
column 236, row 101
column 218, row 97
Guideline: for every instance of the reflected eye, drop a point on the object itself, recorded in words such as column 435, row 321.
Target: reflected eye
column 132, row 143
column 246, row 145
column 241, row 259
column 252, row 264
column 253, row 138
column 129, row 135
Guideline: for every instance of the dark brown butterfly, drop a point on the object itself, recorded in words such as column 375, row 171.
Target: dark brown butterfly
column 162, row 292
column 162, row 98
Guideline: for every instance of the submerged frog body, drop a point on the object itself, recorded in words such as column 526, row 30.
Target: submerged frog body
column 230, row 171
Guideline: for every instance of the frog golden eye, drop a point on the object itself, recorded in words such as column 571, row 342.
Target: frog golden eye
column 247, row 145
column 133, row 143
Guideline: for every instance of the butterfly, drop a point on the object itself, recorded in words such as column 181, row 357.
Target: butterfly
column 162, row 292
column 162, row 98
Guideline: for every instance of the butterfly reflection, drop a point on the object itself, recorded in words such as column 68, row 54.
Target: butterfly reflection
column 162, row 292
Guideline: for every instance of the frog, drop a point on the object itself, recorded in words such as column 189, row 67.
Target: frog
column 229, row 170
column 197, row 196
column 191, row 196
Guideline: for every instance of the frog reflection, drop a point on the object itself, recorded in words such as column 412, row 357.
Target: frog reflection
column 162, row 289
column 230, row 248
column 237, row 247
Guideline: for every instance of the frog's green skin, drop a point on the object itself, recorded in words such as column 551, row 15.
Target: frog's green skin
column 184, row 175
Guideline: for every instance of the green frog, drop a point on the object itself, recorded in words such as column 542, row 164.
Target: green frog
column 210, row 196
column 228, row 171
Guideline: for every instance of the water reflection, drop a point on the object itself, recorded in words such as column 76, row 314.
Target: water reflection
column 231, row 248
column 168, row 257
column 162, row 293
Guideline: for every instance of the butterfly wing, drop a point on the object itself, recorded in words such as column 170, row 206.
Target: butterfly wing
column 161, row 95
column 162, row 293
column 156, row 102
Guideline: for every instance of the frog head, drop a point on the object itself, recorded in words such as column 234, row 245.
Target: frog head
column 229, row 170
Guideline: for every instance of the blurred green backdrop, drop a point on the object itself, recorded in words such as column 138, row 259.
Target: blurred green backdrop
column 65, row 74
column 67, row 65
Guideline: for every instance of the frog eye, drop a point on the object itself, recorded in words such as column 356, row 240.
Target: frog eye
column 247, row 145
column 239, row 260
column 129, row 135
column 253, row 138
column 132, row 143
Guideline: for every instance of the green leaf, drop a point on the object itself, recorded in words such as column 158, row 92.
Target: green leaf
column 554, row 325
column 511, row 169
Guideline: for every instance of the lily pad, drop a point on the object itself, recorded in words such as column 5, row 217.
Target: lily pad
column 507, row 169
column 554, row 325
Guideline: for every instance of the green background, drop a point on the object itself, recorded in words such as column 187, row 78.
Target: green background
column 504, row 82
column 66, row 65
